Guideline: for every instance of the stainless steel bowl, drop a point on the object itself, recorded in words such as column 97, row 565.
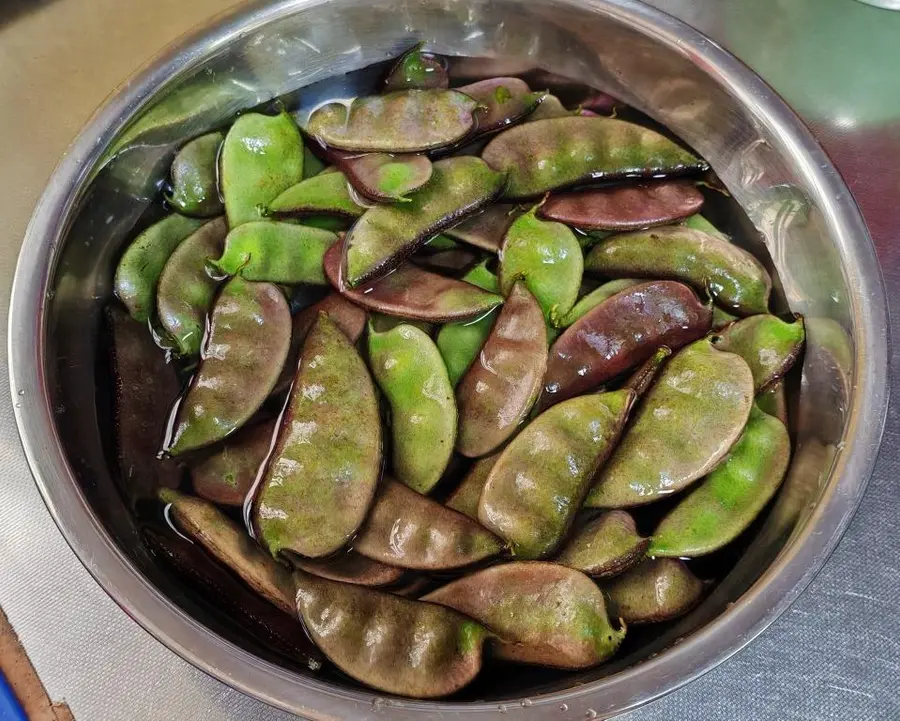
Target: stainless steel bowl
column 793, row 196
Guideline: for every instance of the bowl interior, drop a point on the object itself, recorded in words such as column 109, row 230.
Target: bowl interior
column 650, row 62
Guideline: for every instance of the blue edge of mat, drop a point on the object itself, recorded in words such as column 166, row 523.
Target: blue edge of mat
column 10, row 710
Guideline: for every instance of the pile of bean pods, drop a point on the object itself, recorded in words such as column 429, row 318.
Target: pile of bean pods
column 528, row 335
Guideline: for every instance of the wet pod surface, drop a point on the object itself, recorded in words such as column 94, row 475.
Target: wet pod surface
column 730, row 275
column 625, row 207
column 409, row 530
column 186, row 291
column 262, row 156
column 231, row 546
column 414, row 293
column 684, row 427
column 403, row 121
column 559, row 152
column 655, row 590
column 386, row 235
column 249, row 335
column 500, row 387
column 620, row 333
column 410, row 372
column 321, row 477
column 324, row 194
column 729, row 498
column 605, row 546
column 540, row 480
column 143, row 261
column 390, row 643
column 195, row 177
column 542, row 613
column 768, row 344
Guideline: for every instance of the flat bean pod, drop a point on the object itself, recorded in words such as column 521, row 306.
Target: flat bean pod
column 137, row 274
column 768, row 344
column 620, row 333
column 542, row 613
column 605, row 546
column 732, row 496
column 487, row 229
column 412, row 292
column 387, row 177
column 195, row 177
column 409, row 530
column 551, row 154
column 645, row 375
column 550, row 107
column 410, row 371
column 501, row 102
column 467, row 494
column 324, row 194
column 267, row 250
column 460, row 343
column 386, row 235
column 540, row 480
column 403, row 121
column 321, row 477
column 654, row 591
column 773, row 401
column 185, row 291
column 699, row 222
column 140, row 408
column 249, row 335
column 500, row 387
column 352, row 568
column 231, row 546
column 390, row 643
column 227, row 475
column 262, row 156
column 417, row 70
column 685, row 426
column 547, row 257
column 624, row 207
column 446, row 261
column 730, row 275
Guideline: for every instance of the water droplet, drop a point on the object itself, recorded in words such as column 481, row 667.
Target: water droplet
column 590, row 714
column 377, row 704
column 527, row 702
column 50, row 294
column 502, row 708
column 21, row 393
column 564, row 707
column 18, row 405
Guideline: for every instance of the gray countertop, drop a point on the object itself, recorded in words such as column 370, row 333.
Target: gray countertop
column 834, row 656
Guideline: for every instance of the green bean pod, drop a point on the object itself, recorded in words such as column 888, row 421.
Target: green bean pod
column 644, row 377
column 487, row 229
column 540, row 480
column 267, row 250
column 550, row 107
column 730, row 275
column 386, row 235
column 605, row 546
column 727, row 501
column 656, row 590
column 321, row 475
column 556, row 153
column 185, row 291
column 768, row 344
column 501, row 102
column 248, row 340
column 460, row 343
column 352, row 568
column 231, row 546
column 408, row 368
column 195, row 177
column 387, row 177
column 390, row 643
column 137, row 274
column 403, row 121
column 547, row 257
column 262, row 156
column 325, row 194
column 542, row 613
column 409, row 530
column 416, row 70
column 773, row 401
column 227, row 474
column 684, row 427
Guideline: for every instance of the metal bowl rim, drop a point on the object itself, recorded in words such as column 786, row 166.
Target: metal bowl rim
column 774, row 591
